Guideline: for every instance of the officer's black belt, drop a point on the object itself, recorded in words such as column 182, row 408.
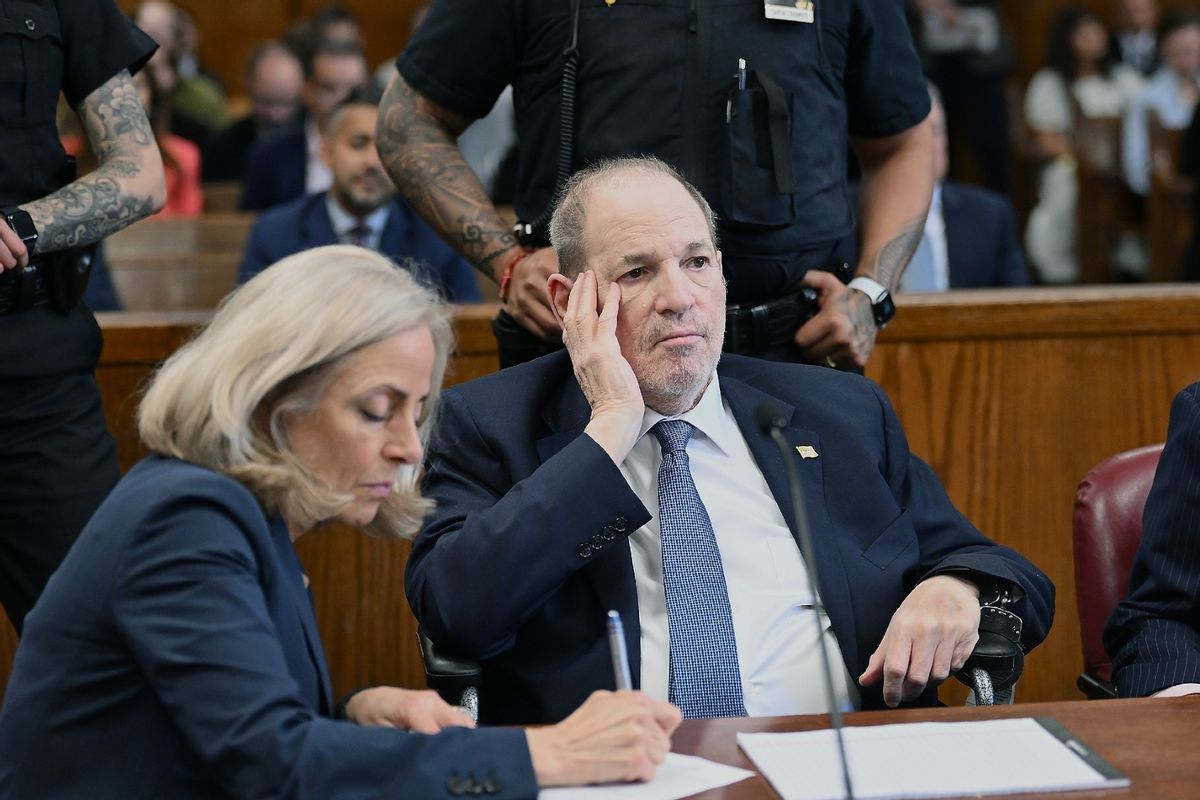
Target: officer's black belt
column 23, row 289
column 753, row 329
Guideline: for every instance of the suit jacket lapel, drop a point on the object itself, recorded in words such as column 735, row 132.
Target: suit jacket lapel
column 610, row 574
column 317, row 229
column 831, row 574
column 956, row 245
column 303, row 602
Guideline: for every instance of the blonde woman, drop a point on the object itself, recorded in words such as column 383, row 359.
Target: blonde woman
column 175, row 654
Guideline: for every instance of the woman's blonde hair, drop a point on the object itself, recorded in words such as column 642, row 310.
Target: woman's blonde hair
column 272, row 348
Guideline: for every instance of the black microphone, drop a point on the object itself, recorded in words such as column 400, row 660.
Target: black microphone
column 771, row 420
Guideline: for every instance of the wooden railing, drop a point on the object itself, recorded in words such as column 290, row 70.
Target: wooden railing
column 1011, row 395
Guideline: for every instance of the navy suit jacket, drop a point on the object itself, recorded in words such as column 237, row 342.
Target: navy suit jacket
column 175, row 654
column 304, row 223
column 275, row 170
column 528, row 547
column 1153, row 635
column 981, row 239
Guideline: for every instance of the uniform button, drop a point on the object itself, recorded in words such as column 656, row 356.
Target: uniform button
column 608, row 534
column 597, row 541
column 585, row 550
column 30, row 24
column 620, row 524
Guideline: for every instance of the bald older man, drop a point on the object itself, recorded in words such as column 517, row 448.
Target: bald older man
column 627, row 473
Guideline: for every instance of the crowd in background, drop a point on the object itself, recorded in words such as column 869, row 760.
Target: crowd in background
column 266, row 133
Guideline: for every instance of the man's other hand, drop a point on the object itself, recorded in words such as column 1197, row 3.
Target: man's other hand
column 421, row 711
column 931, row 635
column 843, row 332
column 527, row 301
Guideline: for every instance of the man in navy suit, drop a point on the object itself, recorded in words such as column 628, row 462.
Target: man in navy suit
column 361, row 207
column 553, row 505
column 970, row 236
column 1153, row 635
column 289, row 165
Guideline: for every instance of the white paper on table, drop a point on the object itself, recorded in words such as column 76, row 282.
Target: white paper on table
column 927, row 759
column 678, row 776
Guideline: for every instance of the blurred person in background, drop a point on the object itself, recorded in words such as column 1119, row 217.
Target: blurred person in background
column 198, row 103
column 289, row 165
column 1135, row 40
column 1079, row 68
column 361, row 207
column 272, row 79
column 1170, row 95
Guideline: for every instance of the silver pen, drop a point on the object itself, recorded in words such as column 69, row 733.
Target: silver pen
column 620, row 656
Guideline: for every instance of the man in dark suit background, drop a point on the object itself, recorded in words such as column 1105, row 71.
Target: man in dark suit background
column 289, row 165
column 970, row 237
column 273, row 79
column 1153, row 635
column 361, row 207
column 549, row 512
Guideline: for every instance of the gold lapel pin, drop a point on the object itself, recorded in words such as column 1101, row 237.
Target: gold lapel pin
column 806, row 451
column 609, row 2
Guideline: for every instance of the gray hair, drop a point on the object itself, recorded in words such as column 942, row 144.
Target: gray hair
column 270, row 352
column 566, row 226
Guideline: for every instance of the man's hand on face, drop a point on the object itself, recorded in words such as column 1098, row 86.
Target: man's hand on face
column 931, row 635
column 527, row 301
column 604, row 375
column 843, row 332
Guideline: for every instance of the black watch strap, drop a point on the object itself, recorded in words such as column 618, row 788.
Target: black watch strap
column 22, row 224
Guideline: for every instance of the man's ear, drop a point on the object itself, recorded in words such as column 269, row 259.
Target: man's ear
column 558, row 286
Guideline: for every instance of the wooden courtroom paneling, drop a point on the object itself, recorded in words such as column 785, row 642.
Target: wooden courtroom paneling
column 1011, row 395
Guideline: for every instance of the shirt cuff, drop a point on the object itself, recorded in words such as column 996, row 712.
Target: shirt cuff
column 1179, row 690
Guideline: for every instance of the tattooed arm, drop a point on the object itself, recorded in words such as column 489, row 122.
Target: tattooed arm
column 416, row 140
column 896, row 189
column 127, row 185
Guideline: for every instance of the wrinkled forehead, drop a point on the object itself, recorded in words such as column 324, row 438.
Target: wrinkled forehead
column 638, row 206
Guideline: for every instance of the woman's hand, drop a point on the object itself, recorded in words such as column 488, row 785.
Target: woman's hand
column 387, row 706
column 614, row 736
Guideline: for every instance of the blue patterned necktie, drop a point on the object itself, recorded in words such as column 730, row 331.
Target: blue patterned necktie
column 704, row 677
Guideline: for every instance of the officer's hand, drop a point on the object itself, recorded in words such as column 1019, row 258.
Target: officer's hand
column 13, row 252
column 843, row 332
column 604, row 375
column 931, row 635
column 527, row 301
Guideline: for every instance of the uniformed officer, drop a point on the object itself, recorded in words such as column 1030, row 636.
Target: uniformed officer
column 57, row 459
column 754, row 100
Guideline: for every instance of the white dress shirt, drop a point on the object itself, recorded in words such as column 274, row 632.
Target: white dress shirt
column 929, row 270
column 769, row 593
column 317, row 177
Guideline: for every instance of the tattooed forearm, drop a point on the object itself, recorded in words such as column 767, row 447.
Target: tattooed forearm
column 856, row 306
column 894, row 256
column 127, row 185
column 416, row 140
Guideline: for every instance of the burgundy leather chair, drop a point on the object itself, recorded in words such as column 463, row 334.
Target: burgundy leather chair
column 1108, row 529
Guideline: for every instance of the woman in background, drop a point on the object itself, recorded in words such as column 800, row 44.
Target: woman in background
column 1080, row 72
column 175, row 654
column 181, row 158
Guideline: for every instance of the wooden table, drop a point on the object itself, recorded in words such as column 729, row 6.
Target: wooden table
column 1154, row 742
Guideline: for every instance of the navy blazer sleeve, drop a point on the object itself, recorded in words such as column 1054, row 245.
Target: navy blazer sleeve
column 1153, row 635
column 486, row 530
column 190, row 605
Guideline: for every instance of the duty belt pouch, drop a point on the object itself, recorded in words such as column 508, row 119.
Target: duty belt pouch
column 762, row 183
column 66, row 276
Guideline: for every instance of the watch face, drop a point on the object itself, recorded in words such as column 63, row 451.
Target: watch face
column 885, row 309
column 22, row 224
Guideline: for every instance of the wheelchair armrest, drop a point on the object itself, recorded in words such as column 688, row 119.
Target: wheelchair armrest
column 998, row 652
column 444, row 672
